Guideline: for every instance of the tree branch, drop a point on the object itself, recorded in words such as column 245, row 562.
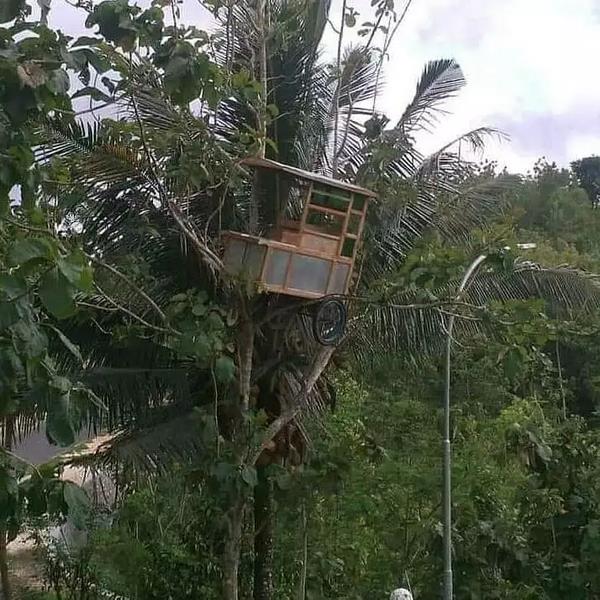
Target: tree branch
column 133, row 315
column 386, row 46
column 201, row 248
column 131, row 284
column 311, row 377
column 336, row 99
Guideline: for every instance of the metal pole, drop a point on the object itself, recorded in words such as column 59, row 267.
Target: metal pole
column 447, row 465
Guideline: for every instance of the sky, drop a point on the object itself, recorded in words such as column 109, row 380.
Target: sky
column 529, row 64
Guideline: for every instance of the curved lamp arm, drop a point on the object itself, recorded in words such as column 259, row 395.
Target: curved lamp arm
column 447, row 465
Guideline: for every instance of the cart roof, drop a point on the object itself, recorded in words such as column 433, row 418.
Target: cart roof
column 264, row 163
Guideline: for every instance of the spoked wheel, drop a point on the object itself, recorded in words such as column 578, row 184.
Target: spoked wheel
column 329, row 322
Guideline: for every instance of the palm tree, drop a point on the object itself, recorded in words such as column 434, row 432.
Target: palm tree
column 153, row 192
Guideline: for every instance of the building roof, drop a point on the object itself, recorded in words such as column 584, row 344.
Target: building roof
column 264, row 163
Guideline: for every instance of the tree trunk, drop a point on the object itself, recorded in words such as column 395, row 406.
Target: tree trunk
column 4, row 578
column 231, row 550
column 9, row 434
column 262, row 25
column 304, row 571
column 263, row 536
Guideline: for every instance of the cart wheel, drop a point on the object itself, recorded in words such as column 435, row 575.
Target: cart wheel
column 329, row 322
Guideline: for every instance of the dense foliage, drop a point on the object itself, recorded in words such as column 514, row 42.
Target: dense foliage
column 363, row 515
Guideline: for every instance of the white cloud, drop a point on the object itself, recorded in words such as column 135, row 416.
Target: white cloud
column 584, row 145
column 529, row 66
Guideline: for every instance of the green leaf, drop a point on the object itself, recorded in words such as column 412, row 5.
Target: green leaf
column 9, row 492
column 10, row 9
column 22, row 251
column 11, row 368
column 78, row 504
column 179, row 298
column 77, row 271
column 59, row 82
column 94, row 93
column 350, row 20
column 57, row 294
column 34, row 490
column 82, row 58
column 199, row 309
column 224, row 369
column 12, row 286
column 86, row 40
column 284, row 481
column 67, row 343
column 59, row 424
column 29, row 339
column 98, row 62
column 113, row 18
column 214, row 321
column 224, row 471
column 249, row 476
column 9, row 315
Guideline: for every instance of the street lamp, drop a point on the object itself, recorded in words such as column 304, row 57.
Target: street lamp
column 447, row 450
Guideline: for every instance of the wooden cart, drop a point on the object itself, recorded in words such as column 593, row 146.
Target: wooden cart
column 310, row 250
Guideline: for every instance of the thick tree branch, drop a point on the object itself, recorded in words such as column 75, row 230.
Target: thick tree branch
column 311, row 377
column 207, row 255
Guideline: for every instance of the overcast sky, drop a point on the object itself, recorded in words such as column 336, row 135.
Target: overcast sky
column 531, row 67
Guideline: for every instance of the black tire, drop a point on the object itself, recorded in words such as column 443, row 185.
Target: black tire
column 329, row 322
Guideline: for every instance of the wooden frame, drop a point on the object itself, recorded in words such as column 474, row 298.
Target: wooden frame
column 286, row 287
column 300, row 258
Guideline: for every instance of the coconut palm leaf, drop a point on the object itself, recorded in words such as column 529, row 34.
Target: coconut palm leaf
column 414, row 325
column 424, row 194
column 356, row 85
column 440, row 81
column 150, row 450
column 448, row 160
column 111, row 160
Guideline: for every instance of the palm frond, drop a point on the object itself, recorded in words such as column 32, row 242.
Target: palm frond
column 151, row 449
column 357, row 81
column 413, row 209
column 67, row 138
column 449, row 161
column 356, row 84
column 567, row 292
column 441, row 196
column 157, row 113
column 440, row 80
column 413, row 326
column 461, row 209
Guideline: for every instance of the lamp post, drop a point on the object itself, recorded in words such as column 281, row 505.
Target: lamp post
column 447, row 450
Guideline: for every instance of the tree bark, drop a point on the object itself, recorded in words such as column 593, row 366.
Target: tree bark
column 312, row 374
column 9, row 434
column 4, row 578
column 231, row 551
column 304, row 571
column 263, row 536
column 245, row 358
column 262, row 19
column 336, row 100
